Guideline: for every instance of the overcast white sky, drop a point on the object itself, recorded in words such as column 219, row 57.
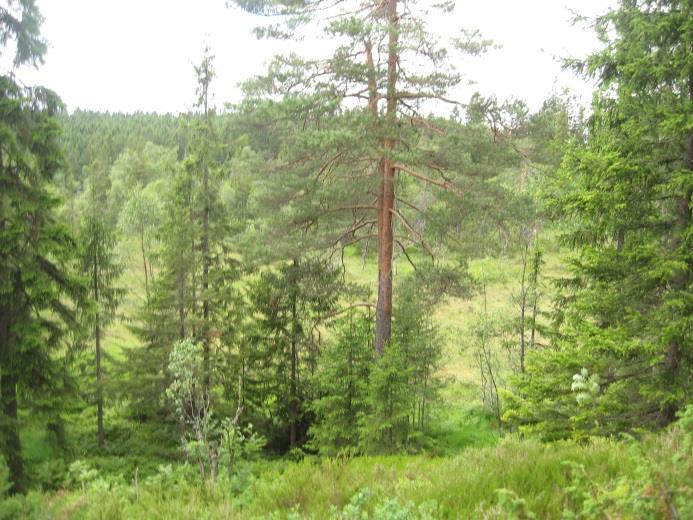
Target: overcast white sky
column 131, row 55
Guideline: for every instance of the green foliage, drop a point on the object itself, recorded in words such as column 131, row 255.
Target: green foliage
column 206, row 438
column 623, row 199
column 192, row 405
column 403, row 384
column 5, row 482
column 386, row 426
column 21, row 25
column 390, row 509
column 190, row 400
column 22, row 506
column 82, row 474
column 511, row 506
column 289, row 303
column 341, row 383
column 585, row 386
column 239, row 336
column 39, row 290
column 589, row 480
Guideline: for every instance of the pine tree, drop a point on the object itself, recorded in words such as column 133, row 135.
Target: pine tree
column 352, row 133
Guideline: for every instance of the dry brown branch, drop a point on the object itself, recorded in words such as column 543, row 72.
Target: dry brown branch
column 447, row 185
column 414, row 232
column 406, row 254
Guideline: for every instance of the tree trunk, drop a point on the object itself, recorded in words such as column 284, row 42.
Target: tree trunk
column 12, row 449
column 293, row 404
column 144, row 262
column 523, row 305
column 10, row 432
column 672, row 359
column 386, row 196
column 205, row 251
column 9, row 427
column 180, row 275
column 97, row 337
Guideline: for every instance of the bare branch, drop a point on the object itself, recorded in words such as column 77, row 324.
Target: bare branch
column 404, row 250
column 446, row 185
column 359, row 239
column 327, row 165
column 409, row 204
column 424, row 95
column 349, row 208
column 353, row 228
column 414, row 232
column 424, row 123
column 336, row 313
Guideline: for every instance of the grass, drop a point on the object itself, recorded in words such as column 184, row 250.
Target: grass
column 458, row 422
column 545, row 480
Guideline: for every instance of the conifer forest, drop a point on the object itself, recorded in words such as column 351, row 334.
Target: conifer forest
column 351, row 293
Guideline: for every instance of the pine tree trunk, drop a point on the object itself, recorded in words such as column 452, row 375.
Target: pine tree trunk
column 386, row 196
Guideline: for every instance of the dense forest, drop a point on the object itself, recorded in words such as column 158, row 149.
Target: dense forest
column 350, row 294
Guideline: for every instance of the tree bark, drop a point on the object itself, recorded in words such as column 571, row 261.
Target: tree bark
column 386, row 196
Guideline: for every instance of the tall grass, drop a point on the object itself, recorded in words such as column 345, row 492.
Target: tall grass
column 516, row 478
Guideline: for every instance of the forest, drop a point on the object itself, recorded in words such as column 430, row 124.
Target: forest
column 351, row 295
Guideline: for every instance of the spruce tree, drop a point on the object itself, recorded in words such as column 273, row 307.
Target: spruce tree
column 289, row 302
column 100, row 266
column 38, row 290
column 624, row 199
column 341, row 385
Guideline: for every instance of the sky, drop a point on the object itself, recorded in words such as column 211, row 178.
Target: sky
column 138, row 55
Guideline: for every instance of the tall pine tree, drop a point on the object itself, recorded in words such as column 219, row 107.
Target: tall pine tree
column 353, row 133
